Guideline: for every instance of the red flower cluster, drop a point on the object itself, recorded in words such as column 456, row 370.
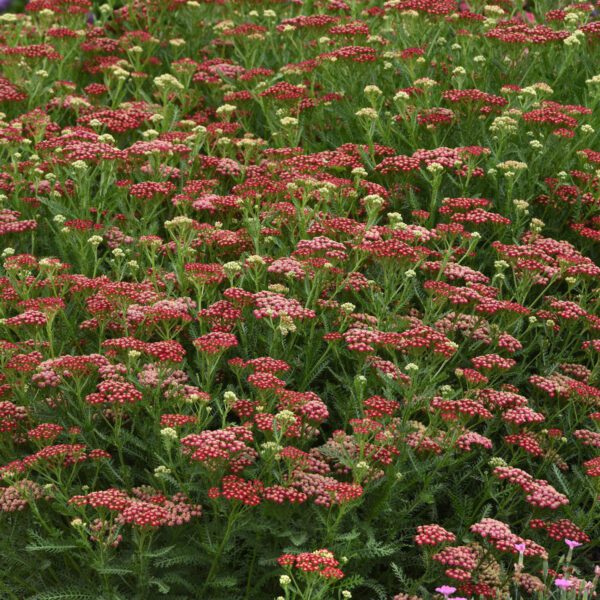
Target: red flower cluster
column 321, row 562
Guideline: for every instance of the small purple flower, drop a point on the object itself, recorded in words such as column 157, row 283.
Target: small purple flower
column 520, row 548
column 4, row 5
column 446, row 590
column 563, row 584
column 572, row 544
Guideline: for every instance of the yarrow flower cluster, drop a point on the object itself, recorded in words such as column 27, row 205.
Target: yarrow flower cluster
column 321, row 562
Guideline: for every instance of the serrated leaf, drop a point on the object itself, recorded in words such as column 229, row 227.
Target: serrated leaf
column 298, row 538
column 113, row 571
column 66, row 594
column 162, row 587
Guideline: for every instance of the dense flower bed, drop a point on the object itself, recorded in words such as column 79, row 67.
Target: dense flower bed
column 300, row 300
